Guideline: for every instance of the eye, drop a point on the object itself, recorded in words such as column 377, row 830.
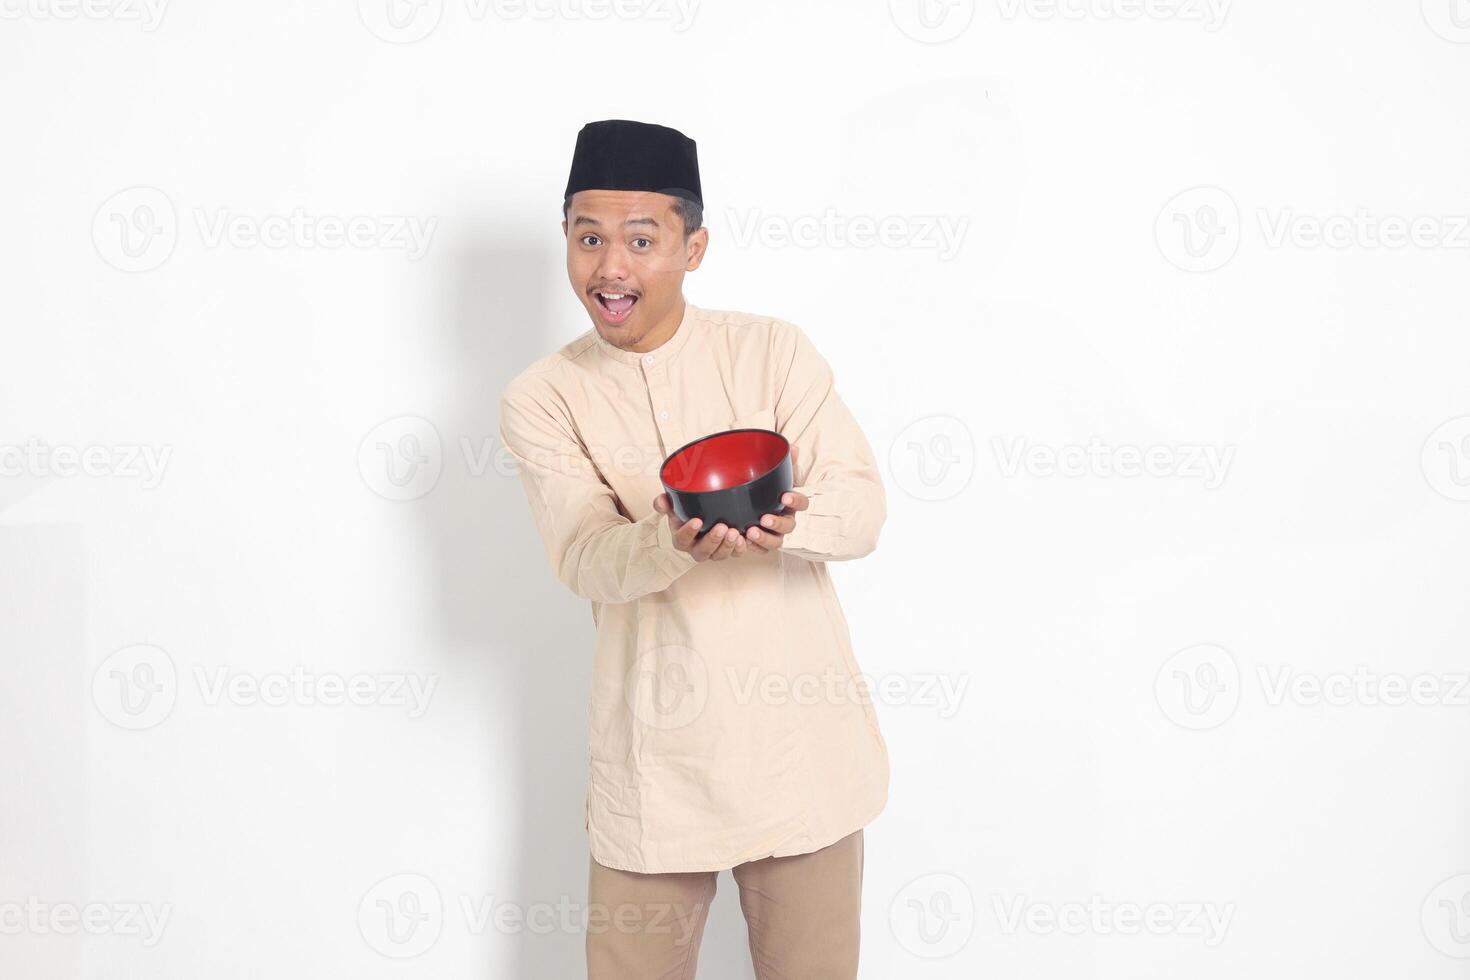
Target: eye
column 647, row 242
column 591, row 240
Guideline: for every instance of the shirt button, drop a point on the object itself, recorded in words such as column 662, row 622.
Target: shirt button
column 664, row 414
column 649, row 359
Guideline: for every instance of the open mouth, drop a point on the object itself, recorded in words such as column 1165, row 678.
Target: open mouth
column 615, row 306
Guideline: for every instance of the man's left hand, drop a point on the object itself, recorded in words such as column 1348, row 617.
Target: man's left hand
column 774, row 527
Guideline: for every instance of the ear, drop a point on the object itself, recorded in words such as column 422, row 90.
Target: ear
column 698, row 244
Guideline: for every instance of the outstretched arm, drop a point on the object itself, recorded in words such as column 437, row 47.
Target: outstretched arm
column 594, row 549
column 834, row 471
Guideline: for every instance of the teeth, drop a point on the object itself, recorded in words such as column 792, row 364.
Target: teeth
column 612, row 295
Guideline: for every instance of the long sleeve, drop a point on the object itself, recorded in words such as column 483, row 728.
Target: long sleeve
column 835, row 467
column 595, row 550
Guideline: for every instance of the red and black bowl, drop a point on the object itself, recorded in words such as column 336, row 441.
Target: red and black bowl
column 731, row 477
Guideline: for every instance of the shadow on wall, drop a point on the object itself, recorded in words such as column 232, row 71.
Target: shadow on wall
column 524, row 641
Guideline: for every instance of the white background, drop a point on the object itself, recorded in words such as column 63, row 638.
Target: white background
column 1137, row 188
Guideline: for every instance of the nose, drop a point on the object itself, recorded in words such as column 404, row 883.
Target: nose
column 614, row 264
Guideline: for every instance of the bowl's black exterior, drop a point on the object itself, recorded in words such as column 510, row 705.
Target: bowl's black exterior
column 740, row 507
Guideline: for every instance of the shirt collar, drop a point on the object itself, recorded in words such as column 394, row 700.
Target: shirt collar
column 664, row 352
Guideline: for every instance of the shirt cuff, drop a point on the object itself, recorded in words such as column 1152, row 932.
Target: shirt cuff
column 818, row 528
column 674, row 561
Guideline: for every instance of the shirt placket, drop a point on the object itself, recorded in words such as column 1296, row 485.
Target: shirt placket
column 660, row 396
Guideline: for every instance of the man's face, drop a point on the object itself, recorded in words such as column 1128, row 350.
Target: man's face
column 626, row 258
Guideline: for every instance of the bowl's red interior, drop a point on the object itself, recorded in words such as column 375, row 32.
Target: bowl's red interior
column 724, row 460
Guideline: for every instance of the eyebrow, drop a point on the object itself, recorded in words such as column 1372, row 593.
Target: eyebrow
column 583, row 219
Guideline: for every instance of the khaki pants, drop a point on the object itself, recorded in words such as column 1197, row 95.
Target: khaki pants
column 801, row 913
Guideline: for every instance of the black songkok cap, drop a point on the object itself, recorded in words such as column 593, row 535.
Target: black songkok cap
column 622, row 155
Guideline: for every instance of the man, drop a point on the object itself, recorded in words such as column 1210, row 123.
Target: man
column 729, row 726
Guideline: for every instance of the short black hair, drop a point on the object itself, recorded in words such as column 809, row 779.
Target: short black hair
column 690, row 213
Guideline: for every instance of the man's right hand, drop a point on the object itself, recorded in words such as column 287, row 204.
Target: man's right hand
column 720, row 543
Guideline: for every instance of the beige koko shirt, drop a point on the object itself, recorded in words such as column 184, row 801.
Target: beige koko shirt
column 728, row 721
